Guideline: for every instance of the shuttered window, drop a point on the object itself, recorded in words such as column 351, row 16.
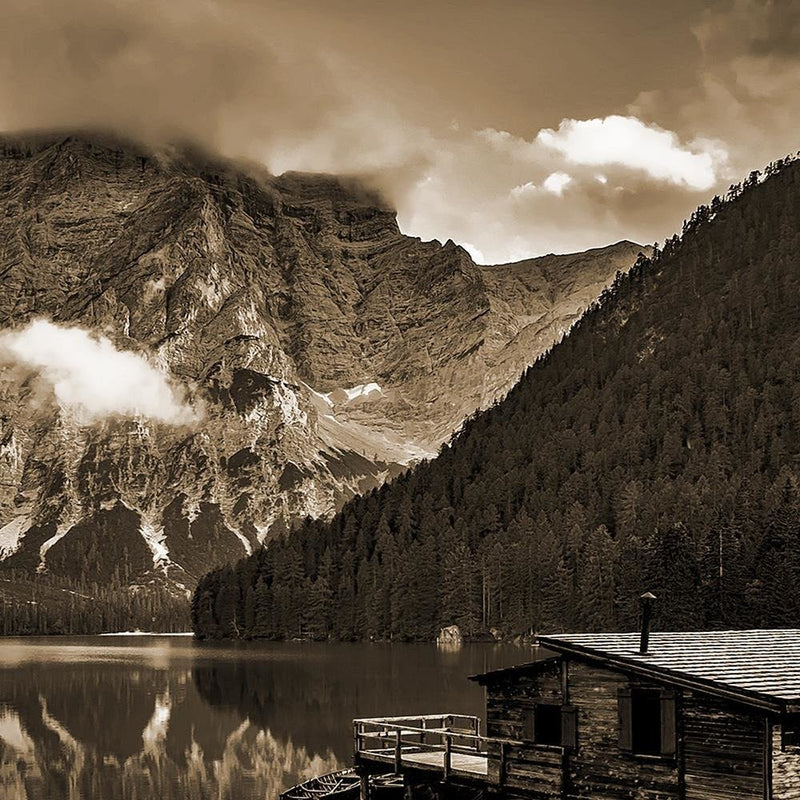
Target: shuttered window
column 527, row 725
column 647, row 721
column 549, row 724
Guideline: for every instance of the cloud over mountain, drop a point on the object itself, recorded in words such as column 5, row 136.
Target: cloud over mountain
column 91, row 378
column 628, row 142
column 446, row 111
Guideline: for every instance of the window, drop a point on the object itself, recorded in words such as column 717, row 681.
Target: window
column 647, row 721
column 550, row 724
column 790, row 731
column 547, row 725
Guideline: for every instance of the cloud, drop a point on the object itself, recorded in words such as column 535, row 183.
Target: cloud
column 747, row 89
column 499, row 192
column 628, row 142
column 523, row 189
column 231, row 75
column 475, row 253
column 88, row 375
column 556, row 182
column 437, row 115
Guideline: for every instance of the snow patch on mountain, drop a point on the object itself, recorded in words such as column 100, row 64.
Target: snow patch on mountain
column 248, row 548
column 61, row 531
column 155, row 538
column 363, row 391
column 11, row 535
column 368, row 438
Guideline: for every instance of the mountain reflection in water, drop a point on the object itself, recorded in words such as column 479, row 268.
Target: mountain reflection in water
column 165, row 718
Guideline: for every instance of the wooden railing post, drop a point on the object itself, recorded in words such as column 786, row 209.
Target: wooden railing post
column 398, row 751
column 364, row 788
column 356, row 738
column 448, row 754
column 503, row 764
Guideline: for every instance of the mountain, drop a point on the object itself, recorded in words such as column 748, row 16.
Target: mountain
column 322, row 349
column 656, row 447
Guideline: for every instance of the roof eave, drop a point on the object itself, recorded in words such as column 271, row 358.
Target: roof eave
column 751, row 698
column 486, row 677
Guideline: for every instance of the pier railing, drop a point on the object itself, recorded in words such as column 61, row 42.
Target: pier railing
column 392, row 738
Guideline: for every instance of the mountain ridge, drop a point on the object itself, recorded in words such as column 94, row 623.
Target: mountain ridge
column 328, row 349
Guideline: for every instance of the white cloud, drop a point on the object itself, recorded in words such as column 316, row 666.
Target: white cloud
column 88, row 375
column 628, row 142
column 556, row 182
column 522, row 189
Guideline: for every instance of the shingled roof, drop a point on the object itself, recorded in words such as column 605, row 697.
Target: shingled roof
column 759, row 667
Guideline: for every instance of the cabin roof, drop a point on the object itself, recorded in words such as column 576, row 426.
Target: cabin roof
column 759, row 667
column 544, row 657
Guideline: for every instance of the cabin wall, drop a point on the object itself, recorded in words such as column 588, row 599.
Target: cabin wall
column 533, row 771
column 785, row 767
column 600, row 769
column 724, row 749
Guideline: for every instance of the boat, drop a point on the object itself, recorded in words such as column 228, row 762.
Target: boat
column 342, row 785
column 386, row 786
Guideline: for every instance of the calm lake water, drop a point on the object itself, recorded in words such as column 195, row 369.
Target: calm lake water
column 158, row 717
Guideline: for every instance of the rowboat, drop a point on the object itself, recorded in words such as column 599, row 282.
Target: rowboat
column 386, row 787
column 342, row 785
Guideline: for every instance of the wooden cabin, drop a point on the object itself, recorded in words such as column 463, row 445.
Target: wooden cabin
column 663, row 716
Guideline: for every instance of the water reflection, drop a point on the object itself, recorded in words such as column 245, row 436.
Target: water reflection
column 167, row 718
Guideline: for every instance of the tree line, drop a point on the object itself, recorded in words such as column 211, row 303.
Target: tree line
column 54, row 605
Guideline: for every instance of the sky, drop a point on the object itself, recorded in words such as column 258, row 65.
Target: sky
column 514, row 127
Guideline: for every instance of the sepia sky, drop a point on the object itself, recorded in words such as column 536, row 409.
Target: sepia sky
column 515, row 127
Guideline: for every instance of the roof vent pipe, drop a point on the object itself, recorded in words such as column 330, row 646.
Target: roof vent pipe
column 647, row 601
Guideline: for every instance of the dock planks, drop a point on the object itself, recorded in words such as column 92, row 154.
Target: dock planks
column 461, row 764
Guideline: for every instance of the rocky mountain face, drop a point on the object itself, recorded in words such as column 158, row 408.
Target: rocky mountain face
column 324, row 349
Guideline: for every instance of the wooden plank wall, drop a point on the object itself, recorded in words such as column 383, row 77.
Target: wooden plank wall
column 536, row 772
column 724, row 750
column 785, row 767
column 600, row 770
column 720, row 754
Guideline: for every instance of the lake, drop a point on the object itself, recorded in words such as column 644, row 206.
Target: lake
column 163, row 717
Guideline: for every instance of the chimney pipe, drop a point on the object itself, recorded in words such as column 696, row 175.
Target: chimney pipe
column 647, row 600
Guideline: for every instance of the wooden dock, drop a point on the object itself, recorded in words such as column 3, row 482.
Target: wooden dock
column 463, row 765
column 446, row 747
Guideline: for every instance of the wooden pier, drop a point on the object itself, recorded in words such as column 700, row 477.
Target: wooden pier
column 447, row 747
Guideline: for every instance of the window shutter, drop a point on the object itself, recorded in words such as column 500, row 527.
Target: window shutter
column 625, row 711
column 569, row 727
column 668, row 723
column 527, row 725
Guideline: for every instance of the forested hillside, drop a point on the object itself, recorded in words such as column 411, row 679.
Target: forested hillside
column 656, row 447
